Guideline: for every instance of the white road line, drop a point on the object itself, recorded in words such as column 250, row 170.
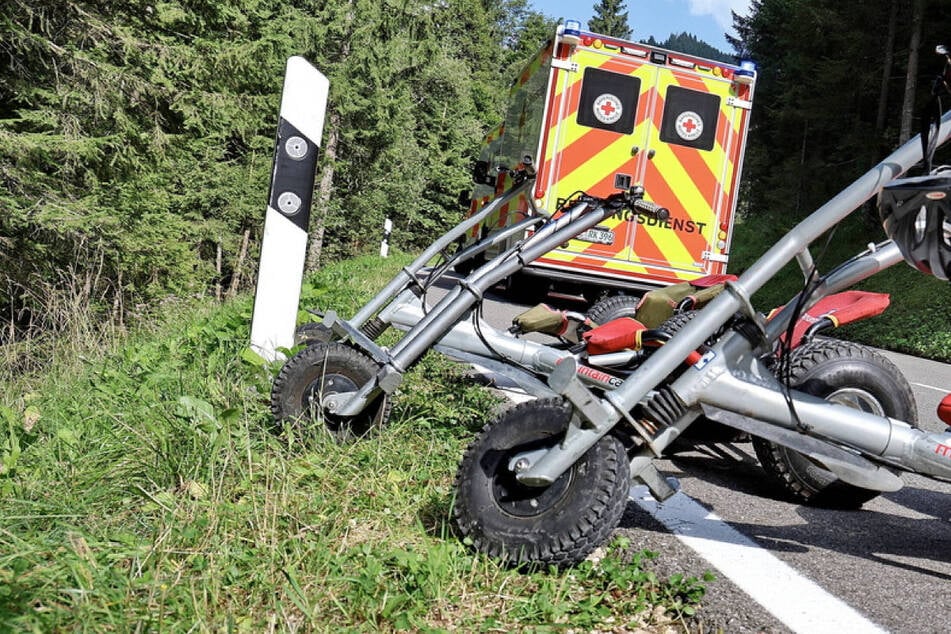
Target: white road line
column 943, row 390
column 796, row 601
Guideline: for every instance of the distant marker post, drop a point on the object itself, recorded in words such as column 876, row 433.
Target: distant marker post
column 385, row 244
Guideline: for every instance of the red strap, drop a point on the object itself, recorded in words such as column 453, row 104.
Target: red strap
column 623, row 333
column 712, row 280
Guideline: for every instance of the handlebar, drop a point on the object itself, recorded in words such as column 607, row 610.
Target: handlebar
column 632, row 198
column 520, row 174
column 651, row 209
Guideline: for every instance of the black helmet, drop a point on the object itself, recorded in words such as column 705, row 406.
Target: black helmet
column 916, row 214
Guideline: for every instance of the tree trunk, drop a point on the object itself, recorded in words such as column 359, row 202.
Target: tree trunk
column 887, row 64
column 324, row 189
column 911, row 76
column 239, row 265
column 117, row 303
column 218, row 258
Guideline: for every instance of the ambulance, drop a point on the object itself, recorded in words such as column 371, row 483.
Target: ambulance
column 597, row 114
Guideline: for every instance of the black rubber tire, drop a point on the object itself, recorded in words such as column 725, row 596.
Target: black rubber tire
column 309, row 333
column 677, row 321
column 528, row 526
column 326, row 368
column 608, row 308
column 849, row 374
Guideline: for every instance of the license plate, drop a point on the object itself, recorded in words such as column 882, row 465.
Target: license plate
column 599, row 236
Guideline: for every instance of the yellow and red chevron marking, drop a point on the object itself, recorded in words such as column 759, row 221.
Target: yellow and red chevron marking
column 696, row 185
column 504, row 216
column 530, row 69
column 489, row 151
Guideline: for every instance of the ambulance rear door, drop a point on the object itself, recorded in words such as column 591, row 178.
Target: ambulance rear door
column 636, row 115
column 591, row 146
column 690, row 167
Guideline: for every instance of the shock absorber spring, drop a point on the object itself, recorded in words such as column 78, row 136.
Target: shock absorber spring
column 373, row 328
column 664, row 408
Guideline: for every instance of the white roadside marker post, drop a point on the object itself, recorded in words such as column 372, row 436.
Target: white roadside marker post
column 385, row 244
column 284, row 245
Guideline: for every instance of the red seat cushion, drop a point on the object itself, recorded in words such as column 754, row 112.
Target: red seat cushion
column 623, row 333
column 944, row 410
column 842, row 308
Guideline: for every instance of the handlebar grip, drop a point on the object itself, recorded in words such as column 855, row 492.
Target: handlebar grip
column 651, row 209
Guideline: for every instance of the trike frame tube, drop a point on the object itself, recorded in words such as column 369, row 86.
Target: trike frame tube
column 408, row 274
column 490, row 343
column 453, row 306
column 863, row 267
column 737, row 382
column 499, row 237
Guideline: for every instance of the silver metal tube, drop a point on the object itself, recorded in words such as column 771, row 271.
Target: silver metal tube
column 405, row 276
column 463, row 336
column 804, row 258
column 454, row 305
column 501, row 237
column 613, row 359
column 893, row 440
column 855, row 428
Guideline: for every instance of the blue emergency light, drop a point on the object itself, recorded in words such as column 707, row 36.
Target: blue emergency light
column 571, row 33
column 746, row 73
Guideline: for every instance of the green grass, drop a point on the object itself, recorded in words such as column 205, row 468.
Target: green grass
column 918, row 320
column 142, row 490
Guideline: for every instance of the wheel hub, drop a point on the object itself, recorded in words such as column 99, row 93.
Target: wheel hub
column 857, row 398
column 520, row 500
column 327, row 384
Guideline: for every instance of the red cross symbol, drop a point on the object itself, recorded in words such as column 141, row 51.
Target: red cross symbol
column 690, row 125
column 608, row 108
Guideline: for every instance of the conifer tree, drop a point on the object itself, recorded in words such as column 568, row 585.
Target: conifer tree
column 136, row 140
column 610, row 18
column 831, row 96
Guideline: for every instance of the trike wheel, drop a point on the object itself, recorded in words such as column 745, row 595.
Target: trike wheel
column 521, row 525
column 319, row 370
column 848, row 374
column 608, row 308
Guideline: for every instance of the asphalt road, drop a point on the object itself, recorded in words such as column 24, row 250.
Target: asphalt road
column 885, row 567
